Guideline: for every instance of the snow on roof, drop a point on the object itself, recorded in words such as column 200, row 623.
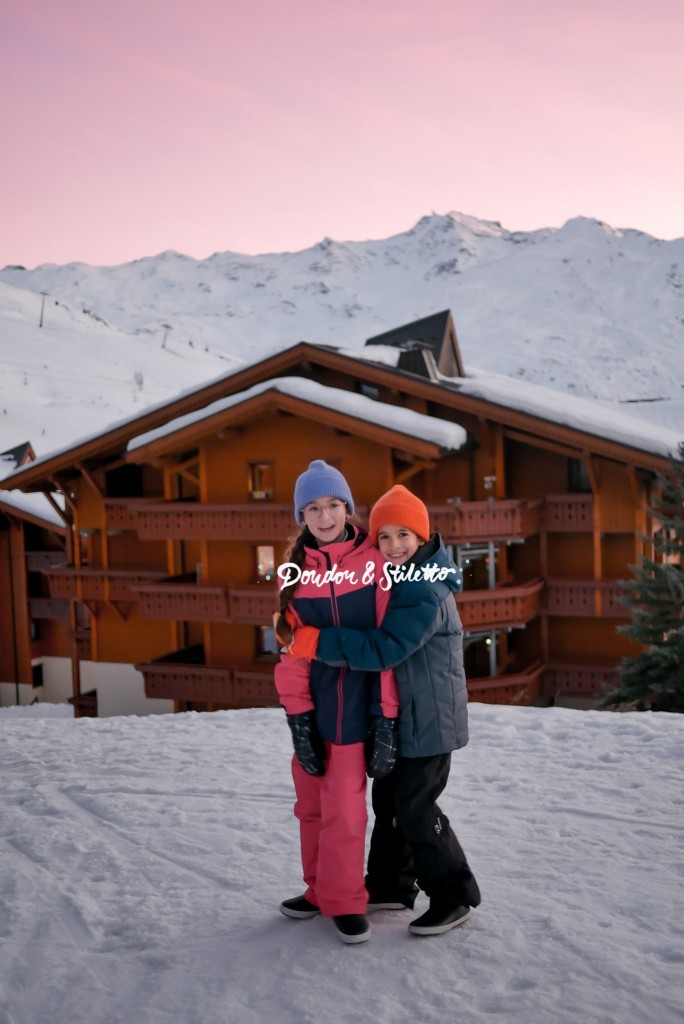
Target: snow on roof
column 35, row 505
column 405, row 421
column 586, row 414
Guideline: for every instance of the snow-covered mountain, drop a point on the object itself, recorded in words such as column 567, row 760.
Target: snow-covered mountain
column 586, row 309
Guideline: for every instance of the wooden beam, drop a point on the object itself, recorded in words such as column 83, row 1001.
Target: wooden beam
column 60, row 511
column 88, row 477
column 407, row 474
column 63, row 490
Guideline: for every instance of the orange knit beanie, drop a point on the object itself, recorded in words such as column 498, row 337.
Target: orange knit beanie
column 401, row 508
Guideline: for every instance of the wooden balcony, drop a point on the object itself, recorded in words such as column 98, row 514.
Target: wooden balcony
column 49, row 608
column 39, row 561
column 579, row 680
column 252, row 606
column 504, row 606
column 593, row 598
column 95, row 584
column 515, row 688
column 569, row 513
column 459, row 522
column 120, row 513
column 467, row 521
column 183, row 676
column 178, row 520
column 181, row 599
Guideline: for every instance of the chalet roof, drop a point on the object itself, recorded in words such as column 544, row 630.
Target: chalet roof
column 581, row 423
column 404, row 425
column 20, row 455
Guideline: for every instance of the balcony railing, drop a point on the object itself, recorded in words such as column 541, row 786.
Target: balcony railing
column 178, row 520
column 508, row 519
column 120, row 513
column 38, row 561
column 569, row 513
column 505, row 606
column 459, row 522
column 254, row 606
column 595, row 598
column 579, row 680
column 515, row 688
column 183, row 676
column 48, row 608
column 181, row 599
column 95, row 584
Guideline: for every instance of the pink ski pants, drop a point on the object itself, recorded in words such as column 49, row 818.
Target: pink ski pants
column 332, row 815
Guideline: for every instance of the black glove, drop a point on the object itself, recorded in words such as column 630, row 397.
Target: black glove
column 381, row 747
column 309, row 748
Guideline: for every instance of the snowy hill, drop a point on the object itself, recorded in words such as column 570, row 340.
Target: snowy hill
column 586, row 309
column 144, row 860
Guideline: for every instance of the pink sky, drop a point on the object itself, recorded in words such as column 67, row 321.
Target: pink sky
column 134, row 126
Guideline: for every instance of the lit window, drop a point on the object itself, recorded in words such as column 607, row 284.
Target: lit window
column 268, row 645
column 265, row 562
column 260, row 481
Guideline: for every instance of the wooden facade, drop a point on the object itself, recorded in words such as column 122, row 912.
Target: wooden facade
column 176, row 521
column 33, row 624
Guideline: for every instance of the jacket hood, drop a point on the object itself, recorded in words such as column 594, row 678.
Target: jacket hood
column 433, row 552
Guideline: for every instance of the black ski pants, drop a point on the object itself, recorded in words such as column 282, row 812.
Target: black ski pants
column 412, row 839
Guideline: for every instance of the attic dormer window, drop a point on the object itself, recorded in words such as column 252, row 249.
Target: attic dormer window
column 369, row 390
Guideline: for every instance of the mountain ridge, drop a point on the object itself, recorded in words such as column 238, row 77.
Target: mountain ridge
column 587, row 309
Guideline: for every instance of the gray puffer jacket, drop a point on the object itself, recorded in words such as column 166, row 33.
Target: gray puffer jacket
column 421, row 638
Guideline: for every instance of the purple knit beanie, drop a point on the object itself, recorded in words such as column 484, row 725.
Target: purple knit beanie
column 320, row 480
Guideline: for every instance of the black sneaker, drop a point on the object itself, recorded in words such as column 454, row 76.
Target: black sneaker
column 352, row 928
column 439, row 919
column 299, row 906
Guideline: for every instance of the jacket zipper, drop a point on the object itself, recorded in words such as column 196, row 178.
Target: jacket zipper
column 342, row 672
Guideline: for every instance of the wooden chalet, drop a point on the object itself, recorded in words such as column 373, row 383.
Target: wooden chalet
column 177, row 519
column 34, row 626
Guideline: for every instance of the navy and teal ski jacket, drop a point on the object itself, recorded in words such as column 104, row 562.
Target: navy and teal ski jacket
column 421, row 637
column 344, row 699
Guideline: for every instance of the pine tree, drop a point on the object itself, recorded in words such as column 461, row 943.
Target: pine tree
column 655, row 678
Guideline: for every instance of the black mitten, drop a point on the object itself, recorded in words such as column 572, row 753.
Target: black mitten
column 381, row 747
column 309, row 748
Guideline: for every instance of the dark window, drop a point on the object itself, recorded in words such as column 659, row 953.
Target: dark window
column 368, row 390
column 124, row 482
column 578, row 478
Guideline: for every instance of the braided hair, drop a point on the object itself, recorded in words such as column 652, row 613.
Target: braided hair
column 293, row 553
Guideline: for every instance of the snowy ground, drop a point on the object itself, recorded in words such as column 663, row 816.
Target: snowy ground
column 143, row 860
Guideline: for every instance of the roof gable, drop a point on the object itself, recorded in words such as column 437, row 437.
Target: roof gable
column 435, row 335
